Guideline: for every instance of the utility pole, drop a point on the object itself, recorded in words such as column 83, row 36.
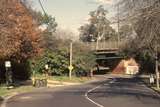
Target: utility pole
column 118, row 25
column 99, row 38
column 156, row 68
column 70, row 61
column 97, row 42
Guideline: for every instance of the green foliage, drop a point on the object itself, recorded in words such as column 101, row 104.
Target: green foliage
column 56, row 50
column 98, row 26
column 74, row 79
column 50, row 21
column 58, row 60
column 83, row 59
column 45, row 20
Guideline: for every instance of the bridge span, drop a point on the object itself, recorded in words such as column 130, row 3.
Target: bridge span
column 107, row 55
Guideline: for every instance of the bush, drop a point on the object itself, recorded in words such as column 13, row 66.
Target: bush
column 58, row 61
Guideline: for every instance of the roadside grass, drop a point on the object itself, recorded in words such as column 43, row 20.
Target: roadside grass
column 3, row 91
column 28, row 88
column 155, row 88
column 146, row 81
column 74, row 79
column 21, row 89
column 67, row 79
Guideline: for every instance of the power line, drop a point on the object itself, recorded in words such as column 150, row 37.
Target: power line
column 42, row 7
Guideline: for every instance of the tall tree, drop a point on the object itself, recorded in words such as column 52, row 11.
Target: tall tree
column 47, row 24
column 144, row 17
column 45, row 20
column 19, row 34
column 98, row 26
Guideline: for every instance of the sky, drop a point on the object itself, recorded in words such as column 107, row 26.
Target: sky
column 71, row 14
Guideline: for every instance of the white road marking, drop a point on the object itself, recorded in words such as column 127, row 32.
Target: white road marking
column 111, row 82
column 89, row 91
column 86, row 95
column 106, row 84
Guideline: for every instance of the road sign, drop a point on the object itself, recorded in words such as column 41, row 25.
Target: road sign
column 46, row 67
column 70, row 67
column 8, row 64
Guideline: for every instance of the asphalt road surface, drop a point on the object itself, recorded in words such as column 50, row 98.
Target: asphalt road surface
column 106, row 92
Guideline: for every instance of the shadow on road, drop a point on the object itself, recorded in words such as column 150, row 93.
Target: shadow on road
column 125, row 87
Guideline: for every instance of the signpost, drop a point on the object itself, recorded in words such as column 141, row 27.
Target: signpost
column 8, row 64
column 156, row 69
column 70, row 71
column 46, row 67
column 8, row 73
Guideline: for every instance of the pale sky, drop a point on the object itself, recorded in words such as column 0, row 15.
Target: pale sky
column 71, row 14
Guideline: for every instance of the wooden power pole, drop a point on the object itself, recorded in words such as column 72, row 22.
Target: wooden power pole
column 156, row 69
column 70, row 61
column 118, row 25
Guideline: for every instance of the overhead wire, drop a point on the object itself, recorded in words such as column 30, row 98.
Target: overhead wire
column 42, row 7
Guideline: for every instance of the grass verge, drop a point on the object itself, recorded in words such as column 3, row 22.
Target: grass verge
column 28, row 88
column 72, row 80
column 5, row 92
column 155, row 88
column 146, row 81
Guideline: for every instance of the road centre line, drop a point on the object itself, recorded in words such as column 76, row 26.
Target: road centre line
column 86, row 95
column 89, row 91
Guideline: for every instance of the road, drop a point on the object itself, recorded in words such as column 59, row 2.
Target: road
column 106, row 92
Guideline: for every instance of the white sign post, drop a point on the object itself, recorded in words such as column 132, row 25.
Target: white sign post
column 46, row 67
column 8, row 64
column 9, row 80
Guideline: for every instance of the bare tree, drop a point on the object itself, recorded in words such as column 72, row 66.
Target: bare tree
column 144, row 15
